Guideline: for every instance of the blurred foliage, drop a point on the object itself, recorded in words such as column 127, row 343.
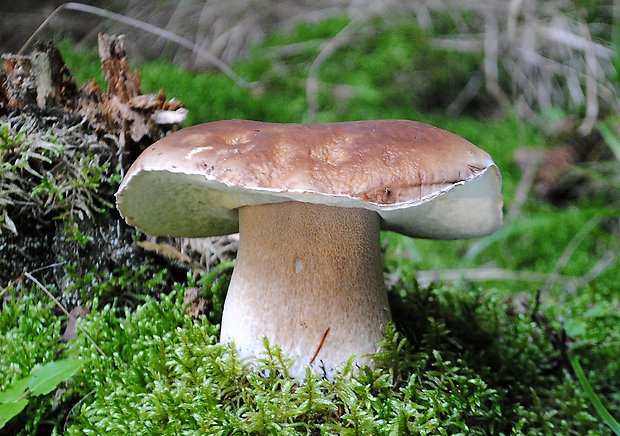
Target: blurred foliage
column 393, row 71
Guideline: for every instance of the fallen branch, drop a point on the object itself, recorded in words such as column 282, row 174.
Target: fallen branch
column 425, row 278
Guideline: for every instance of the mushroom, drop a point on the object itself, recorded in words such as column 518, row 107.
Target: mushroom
column 308, row 201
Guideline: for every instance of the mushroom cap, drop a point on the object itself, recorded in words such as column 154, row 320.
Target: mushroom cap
column 421, row 180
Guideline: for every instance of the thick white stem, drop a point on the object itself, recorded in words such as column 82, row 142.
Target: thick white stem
column 309, row 278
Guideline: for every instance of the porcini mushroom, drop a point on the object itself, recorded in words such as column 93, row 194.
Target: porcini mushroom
column 309, row 202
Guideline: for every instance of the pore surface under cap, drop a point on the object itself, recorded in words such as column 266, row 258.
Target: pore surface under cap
column 422, row 180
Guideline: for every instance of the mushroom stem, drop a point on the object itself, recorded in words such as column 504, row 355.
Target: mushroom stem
column 310, row 278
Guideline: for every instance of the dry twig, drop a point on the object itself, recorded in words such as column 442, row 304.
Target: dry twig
column 64, row 310
column 425, row 278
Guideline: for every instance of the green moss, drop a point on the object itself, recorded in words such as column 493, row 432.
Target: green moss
column 46, row 179
column 177, row 378
column 30, row 337
column 463, row 362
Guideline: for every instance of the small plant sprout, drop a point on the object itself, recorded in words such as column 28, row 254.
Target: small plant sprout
column 309, row 202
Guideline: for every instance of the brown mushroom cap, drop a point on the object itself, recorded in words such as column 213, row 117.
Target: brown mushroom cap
column 423, row 181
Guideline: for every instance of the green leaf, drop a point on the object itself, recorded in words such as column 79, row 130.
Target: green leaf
column 9, row 410
column 46, row 378
column 15, row 390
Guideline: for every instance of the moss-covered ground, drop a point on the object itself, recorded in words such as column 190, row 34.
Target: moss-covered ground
column 532, row 349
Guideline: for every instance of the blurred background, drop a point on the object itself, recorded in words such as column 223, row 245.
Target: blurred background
column 534, row 57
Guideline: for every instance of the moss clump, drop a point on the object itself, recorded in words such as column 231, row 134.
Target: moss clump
column 44, row 177
column 56, row 180
column 460, row 362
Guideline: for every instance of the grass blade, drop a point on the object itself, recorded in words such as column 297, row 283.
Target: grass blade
column 610, row 137
column 592, row 396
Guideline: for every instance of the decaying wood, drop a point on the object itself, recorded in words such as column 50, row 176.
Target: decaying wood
column 41, row 81
column 38, row 94
column 17, row 87
column 138, row 116
column 122, row 83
